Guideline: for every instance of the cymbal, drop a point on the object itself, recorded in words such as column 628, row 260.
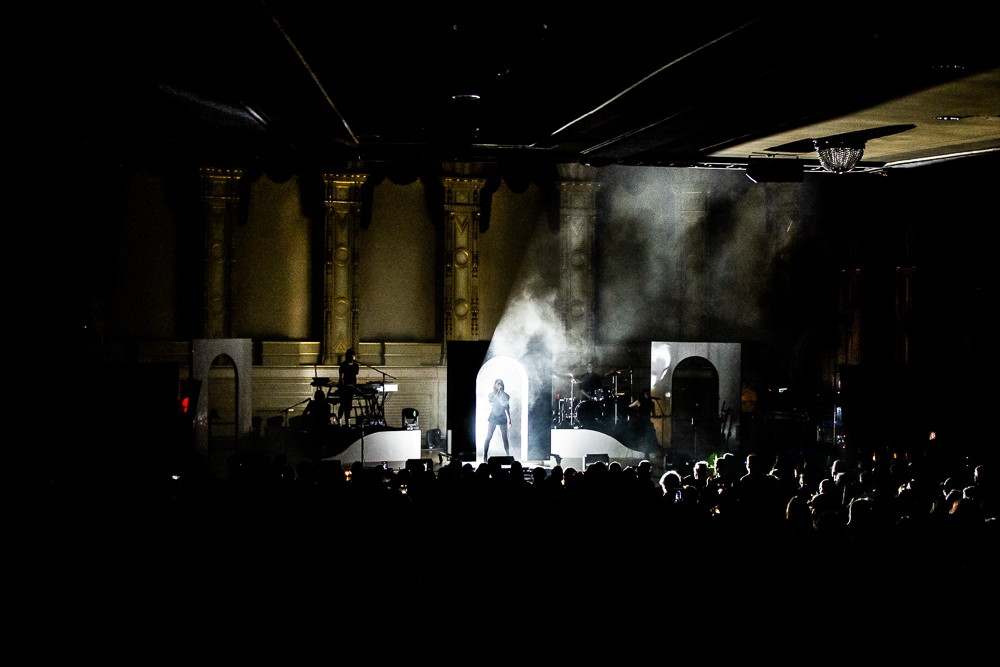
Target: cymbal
column 320, row 382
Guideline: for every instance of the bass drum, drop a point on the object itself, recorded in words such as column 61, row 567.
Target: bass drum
column 589, row 414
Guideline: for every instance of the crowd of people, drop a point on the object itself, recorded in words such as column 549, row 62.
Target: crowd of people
column 838, row 514
column 606, row 545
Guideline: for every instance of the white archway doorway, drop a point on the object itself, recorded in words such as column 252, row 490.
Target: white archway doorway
column 515, row 380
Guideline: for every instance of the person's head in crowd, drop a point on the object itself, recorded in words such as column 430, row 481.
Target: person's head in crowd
column 868, row 481
column 838, row 470
column 629, row 477
column 859, row 513
column 596, row 469
column 798, row 512
column 670, row 481
column 828, row 522
column 690, row 494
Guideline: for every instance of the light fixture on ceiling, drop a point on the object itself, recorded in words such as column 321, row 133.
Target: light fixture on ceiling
column 840, row 153
column 838, row 156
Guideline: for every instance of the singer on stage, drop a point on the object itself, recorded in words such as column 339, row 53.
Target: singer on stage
column 499, row 416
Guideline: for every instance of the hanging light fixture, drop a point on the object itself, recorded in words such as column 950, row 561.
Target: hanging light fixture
column 839, row 156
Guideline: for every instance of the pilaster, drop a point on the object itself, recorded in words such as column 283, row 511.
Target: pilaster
column 577, row 213
column 461, row 256
column 692, row 277
column 341, row 308
column 220, row 204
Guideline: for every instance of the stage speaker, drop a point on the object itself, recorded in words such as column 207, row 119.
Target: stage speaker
column 501, row 460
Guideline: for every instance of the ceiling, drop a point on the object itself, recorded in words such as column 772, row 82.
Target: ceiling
column 301, row 88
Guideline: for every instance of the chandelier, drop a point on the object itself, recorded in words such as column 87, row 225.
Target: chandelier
column 838, row 156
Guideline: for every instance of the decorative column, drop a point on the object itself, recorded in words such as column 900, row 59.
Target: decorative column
column 692, row 276
column 461, row 255
column 340, row 283
column 577, row 212
column 220, row 202
column 782, row 220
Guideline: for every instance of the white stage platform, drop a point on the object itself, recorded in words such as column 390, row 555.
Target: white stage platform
column 389, row 446
column 573, row 444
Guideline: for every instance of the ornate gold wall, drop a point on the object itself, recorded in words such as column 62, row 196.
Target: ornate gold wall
column 397, row 271
column 274, row 265
column 504, row 250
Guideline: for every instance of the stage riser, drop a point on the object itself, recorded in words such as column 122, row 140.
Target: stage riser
column 393, row 447
column 573, row 444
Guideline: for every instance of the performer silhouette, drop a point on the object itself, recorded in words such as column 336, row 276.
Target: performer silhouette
column 590, row 384
column 348, row 383
column 499, row 416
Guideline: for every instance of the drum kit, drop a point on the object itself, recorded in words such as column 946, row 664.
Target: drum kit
column 606, row 406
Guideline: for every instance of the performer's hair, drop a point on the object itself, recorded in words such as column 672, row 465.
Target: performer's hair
column 501, row 385
column 350, row 351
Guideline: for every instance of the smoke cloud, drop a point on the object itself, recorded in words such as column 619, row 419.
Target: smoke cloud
column 684, row 254
column 680, row 254
column 531, row 329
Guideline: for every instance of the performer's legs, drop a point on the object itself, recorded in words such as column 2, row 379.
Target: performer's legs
column 503, row 434
column 346, row 404
column 489, row 435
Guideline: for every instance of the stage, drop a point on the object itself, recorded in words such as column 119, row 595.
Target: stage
column 396, row 446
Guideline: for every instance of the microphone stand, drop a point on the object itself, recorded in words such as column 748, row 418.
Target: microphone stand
column 381, row 404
